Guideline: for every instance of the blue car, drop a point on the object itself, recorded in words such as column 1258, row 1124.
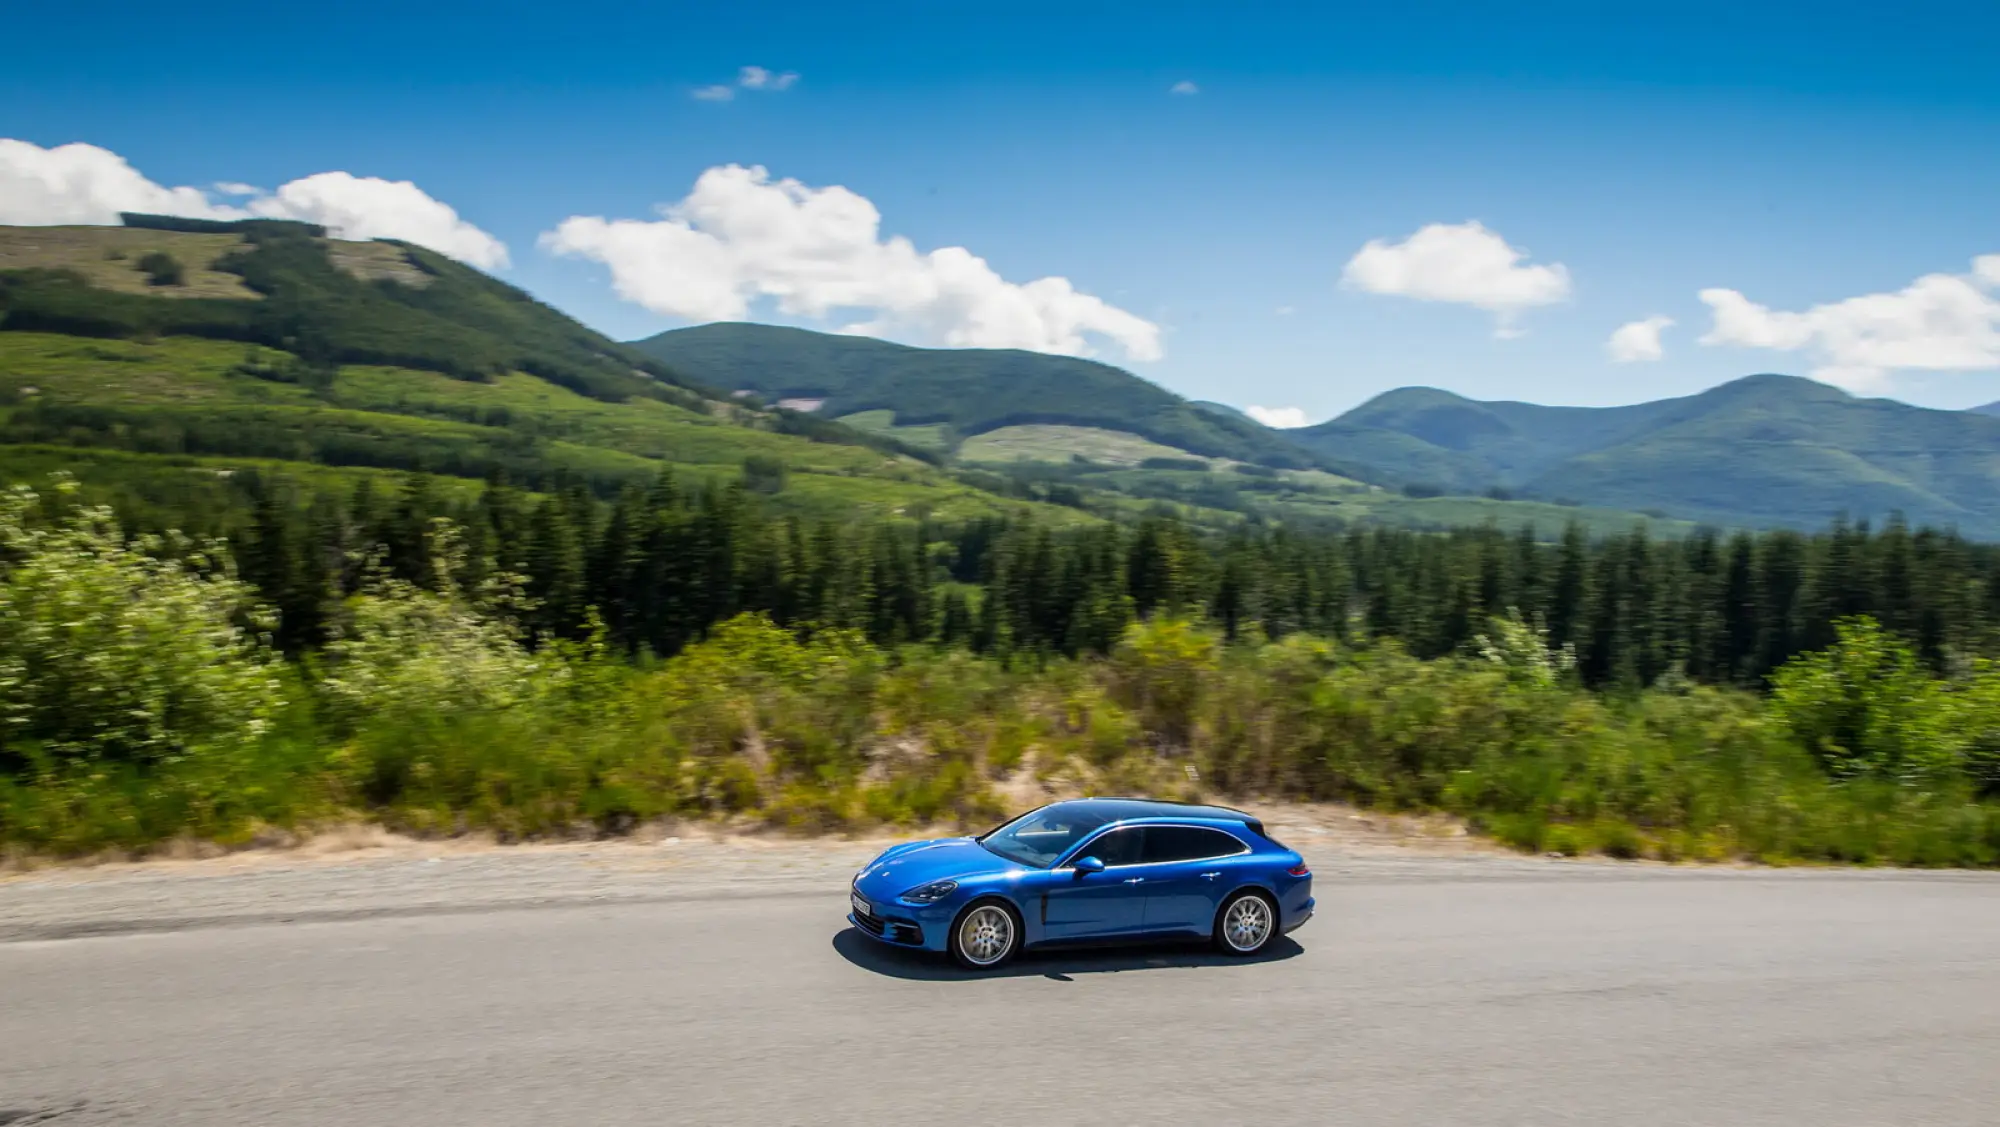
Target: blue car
column 1087, row 871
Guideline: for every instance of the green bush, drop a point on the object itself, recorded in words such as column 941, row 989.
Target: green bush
column 763, row 473
column 162, row 269
column 142, row 652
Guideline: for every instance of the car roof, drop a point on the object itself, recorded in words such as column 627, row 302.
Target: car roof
column 1134, row 809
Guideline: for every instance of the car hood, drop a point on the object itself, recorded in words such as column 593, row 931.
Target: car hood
column 904, row 867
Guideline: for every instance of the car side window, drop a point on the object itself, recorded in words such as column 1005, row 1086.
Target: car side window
column 1187, row 843
column 1119, row 847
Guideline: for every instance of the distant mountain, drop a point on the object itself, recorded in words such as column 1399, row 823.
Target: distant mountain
column 1989, row 409
column 1763, row 450
column 970, row 391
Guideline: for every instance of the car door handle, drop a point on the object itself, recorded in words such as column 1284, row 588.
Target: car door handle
column 1135, row 880
column 1210, row 876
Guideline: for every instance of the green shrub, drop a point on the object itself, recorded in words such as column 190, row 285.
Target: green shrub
column 141, row 652
column 162, row 269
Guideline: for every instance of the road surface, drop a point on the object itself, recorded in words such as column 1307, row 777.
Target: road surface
column 1428, row 992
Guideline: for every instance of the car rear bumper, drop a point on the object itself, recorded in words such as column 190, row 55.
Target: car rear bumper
column 1297, row 917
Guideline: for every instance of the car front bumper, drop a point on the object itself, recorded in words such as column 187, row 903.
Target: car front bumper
column 900, row 925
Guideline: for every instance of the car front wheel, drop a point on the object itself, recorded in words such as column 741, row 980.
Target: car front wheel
column 1246, row 925
column 985, row 935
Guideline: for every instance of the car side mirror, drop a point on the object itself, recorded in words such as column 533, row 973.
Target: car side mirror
column 1088, row 865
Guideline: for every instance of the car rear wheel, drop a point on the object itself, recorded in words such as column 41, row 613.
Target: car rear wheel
column 1247, row 924
column 985, row 935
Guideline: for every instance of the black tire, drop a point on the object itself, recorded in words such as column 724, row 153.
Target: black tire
column 1230, row 933
column 973, row 932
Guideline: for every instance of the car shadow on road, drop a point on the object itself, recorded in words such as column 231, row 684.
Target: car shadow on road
column 1059, row 964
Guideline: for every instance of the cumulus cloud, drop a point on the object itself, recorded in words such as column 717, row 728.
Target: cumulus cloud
column 1462, row 263
column 237, row 188
column 716, row 93
column 364, row 207
column 1939, row 323
column 1183, row 87
column 1278, row 418
column 79, row 183
column 1638, row 340
column 819, row 252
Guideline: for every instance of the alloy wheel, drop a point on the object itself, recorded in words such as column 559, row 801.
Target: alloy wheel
column 1247, row 924
column 986, row 935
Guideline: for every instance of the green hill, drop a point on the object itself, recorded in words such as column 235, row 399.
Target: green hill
column 176, row 350
column 1061, row 422
column 1218, row 410
column 967, row 392
column 158, row 359
column 1764, row 450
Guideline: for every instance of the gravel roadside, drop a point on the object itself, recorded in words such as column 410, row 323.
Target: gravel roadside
column 361, row 873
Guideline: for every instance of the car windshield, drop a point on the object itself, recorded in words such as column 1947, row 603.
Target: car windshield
column 1039, row 837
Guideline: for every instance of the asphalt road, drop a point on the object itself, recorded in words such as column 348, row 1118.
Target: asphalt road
column 1627, row 997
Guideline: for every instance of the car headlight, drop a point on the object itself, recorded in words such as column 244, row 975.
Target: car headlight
column 931, row 893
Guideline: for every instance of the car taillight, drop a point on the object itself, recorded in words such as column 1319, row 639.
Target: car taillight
column 1300, row 870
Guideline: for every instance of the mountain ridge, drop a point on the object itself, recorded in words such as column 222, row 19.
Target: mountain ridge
column 971, row 391
column 1765, row 449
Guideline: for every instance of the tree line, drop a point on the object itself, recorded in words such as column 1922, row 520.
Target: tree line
column 663, row 563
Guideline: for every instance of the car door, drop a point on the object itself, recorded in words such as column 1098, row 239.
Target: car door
column 1088, row 905
column 1188, row 871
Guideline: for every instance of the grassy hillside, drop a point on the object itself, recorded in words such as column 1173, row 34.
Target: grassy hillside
column 968, row 391
column 326, row 302
column 1765, row 450
column 277, row 347
column 1067, row 423
column 177, row 357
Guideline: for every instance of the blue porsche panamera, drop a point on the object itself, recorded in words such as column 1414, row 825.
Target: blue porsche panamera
column 1089, row 870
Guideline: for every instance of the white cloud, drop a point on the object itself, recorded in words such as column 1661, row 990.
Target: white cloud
column 816, row 252
column 237, row 188
column 79, row 183
column 1938, row 323
column 1463, row 263
column 1183, row 87
column 758, row 78
column 748, row 78
column 1278, row 418
column 1638, row 340
column 364, row 207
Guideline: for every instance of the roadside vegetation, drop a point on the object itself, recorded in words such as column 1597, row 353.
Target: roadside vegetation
column 155, row 687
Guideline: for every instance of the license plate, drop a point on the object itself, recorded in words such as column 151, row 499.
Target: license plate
column 860, row 905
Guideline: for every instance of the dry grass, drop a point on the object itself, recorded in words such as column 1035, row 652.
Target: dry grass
column 373, row 262
column 1315, row 828
column 107, row 257
column 1050, row 443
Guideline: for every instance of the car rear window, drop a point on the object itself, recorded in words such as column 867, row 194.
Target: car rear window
column 1188, row 843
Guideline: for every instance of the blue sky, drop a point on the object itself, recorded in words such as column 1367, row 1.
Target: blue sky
column 1799, row 155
